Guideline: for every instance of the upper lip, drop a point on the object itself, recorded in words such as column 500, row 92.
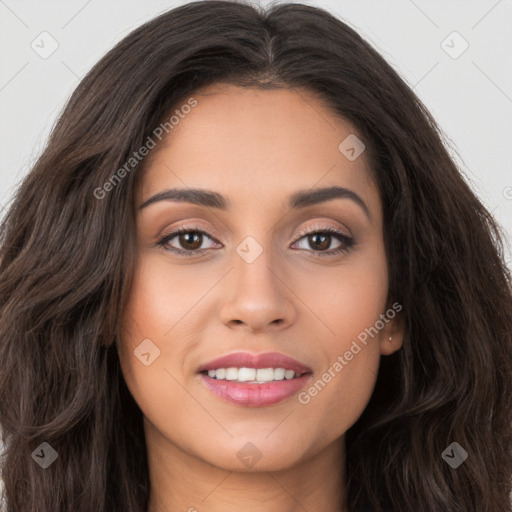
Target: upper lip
column 263, row 360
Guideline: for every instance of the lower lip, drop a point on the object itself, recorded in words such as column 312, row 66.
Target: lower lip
column 254, row 395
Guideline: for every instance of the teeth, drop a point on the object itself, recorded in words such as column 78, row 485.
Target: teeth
column 288, row 374
column 279, row 373
column 265, row 374
column 252, row 375
column 231, row 373
column 246, row 374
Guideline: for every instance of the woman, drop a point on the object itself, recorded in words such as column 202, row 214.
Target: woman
column 246, row 274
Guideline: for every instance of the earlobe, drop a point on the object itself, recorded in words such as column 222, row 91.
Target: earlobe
column 392, row 339
column 390, row 344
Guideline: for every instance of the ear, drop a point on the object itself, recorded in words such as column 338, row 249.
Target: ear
column 392, row 335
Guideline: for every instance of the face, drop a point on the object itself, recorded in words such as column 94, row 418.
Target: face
column 269, row 277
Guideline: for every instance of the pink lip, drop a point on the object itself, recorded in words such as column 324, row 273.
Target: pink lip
column 255, row 395
column 264, row 360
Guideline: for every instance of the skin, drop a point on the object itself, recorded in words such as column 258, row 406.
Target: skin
column 256, row 148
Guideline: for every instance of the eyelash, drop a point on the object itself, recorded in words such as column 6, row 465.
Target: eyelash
column 347, row 241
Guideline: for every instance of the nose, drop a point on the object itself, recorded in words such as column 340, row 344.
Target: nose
column 258, row 297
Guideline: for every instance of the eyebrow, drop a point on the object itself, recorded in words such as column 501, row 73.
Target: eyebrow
column 300, row 199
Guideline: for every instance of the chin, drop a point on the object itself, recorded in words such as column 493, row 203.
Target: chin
column 246, row 455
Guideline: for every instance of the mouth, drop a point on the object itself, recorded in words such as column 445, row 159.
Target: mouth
column 254, row 380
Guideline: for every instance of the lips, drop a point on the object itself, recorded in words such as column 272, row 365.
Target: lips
column 265, row 360
column 254, row 394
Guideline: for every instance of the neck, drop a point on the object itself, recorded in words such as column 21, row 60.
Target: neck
column 181, row 482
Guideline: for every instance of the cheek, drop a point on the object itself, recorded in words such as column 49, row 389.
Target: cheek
column 357, row 304
column 337, row 397
column 350, row 309
column 165, row 299
column 164, row 309
column 346, row 300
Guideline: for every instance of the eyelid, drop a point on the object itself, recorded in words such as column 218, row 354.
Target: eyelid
column 319, row 227
column 190, row 226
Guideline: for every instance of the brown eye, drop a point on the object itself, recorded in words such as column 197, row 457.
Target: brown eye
column 321, row 239
column 189, row 241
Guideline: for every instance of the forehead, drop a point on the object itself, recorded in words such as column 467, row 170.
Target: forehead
column 255, row 145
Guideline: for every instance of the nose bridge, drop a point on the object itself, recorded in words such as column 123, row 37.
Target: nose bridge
column 256, row 263
column 256, row 251
column 257, row 296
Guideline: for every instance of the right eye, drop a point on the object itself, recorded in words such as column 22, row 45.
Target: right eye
column 189, row 237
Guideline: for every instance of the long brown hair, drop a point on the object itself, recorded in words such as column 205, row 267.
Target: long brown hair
column 67, row 257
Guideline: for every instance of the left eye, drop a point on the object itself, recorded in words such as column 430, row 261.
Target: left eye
column 321, row 237
column 191, row 239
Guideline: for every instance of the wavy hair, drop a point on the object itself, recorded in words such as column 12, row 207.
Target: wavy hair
column 67, row 259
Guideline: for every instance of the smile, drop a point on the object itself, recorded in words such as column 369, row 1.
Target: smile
column 254, row 380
